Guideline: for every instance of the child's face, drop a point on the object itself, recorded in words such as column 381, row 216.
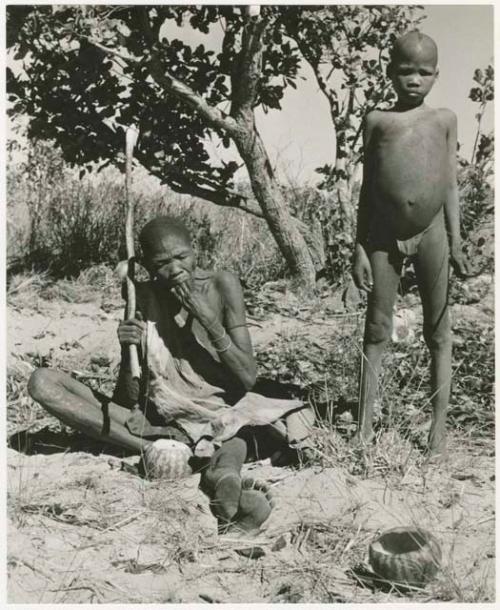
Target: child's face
column 413, row 74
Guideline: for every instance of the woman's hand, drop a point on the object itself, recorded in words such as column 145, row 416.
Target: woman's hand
column 130, row 331
column 195, row 302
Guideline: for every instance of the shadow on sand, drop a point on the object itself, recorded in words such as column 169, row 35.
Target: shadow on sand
column 48, row 441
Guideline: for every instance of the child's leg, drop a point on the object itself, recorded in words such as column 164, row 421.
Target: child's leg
column 386, row 270
column 431, row 267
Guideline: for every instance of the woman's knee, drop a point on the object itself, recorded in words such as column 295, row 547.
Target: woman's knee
column 41, row 384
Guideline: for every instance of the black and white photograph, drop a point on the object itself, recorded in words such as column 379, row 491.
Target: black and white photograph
column 249, row 303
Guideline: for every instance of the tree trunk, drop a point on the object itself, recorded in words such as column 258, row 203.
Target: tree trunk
column 343, row 193
column 274, row 206
column 240, row 126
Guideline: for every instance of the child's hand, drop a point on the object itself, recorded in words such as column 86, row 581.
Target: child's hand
column 460, row 264
column 362, row 270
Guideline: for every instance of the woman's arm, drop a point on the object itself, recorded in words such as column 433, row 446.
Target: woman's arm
column 235, row 349
column 229, row 335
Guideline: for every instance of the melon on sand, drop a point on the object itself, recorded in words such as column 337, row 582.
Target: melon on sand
column 167, row 459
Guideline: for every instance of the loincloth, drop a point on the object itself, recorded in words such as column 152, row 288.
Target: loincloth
column 380, row 237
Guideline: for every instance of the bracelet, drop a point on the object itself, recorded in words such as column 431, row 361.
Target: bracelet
column 224, row 334
column 224, row 349
column 209, row 328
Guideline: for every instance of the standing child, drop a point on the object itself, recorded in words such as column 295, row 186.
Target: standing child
column 409, row 207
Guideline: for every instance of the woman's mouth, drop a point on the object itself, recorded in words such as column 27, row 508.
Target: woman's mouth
column 179, row 279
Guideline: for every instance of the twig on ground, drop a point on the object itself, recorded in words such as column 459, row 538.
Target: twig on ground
column 88, row 374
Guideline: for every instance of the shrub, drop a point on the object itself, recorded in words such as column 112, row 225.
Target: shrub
column 61, row 223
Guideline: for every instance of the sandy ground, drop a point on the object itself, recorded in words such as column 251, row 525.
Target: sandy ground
column 84, row 528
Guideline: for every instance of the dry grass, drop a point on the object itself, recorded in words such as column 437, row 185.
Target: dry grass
column 106, row 536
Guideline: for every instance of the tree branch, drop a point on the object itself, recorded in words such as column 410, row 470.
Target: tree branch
column 212, row 115
column 330, row 94
column 221, row 197
column 246, row 74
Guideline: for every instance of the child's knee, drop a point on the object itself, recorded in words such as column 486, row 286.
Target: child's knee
column 438, row 337
column 378, row 329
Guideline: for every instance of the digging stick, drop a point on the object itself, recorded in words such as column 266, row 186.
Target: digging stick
column 131, row 136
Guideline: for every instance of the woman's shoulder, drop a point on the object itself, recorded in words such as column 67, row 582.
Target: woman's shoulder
column 224, row 282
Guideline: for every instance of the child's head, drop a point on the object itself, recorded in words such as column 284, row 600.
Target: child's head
column 413, row 67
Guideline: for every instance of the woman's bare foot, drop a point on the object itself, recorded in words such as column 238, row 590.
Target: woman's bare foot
column 254, row 508
column 223, row 487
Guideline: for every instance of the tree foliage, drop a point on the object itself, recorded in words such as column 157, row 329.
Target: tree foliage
column 482, row 93
column 91, row 70
column 80, row 95
column 475, row 176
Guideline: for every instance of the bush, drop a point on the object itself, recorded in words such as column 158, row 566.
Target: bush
column 63, row 224
column 477, row 207
column 314, row 207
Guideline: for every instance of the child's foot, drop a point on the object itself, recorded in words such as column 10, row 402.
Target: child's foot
column 437, row 443
column 436, row 454
column 254, row 508
column 436, row 459
column 363, row 438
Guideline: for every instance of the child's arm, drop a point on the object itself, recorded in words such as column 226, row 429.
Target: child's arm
column 362, row 272
column 451, row 209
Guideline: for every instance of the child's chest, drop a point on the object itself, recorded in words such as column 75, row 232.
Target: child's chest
column 425, row 132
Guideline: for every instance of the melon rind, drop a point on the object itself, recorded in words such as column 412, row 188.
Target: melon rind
column 415, row 567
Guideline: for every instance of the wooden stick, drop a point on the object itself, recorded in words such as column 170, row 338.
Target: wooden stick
column 131, row 136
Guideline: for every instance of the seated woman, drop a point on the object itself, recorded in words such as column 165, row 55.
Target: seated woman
column 198, row 370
